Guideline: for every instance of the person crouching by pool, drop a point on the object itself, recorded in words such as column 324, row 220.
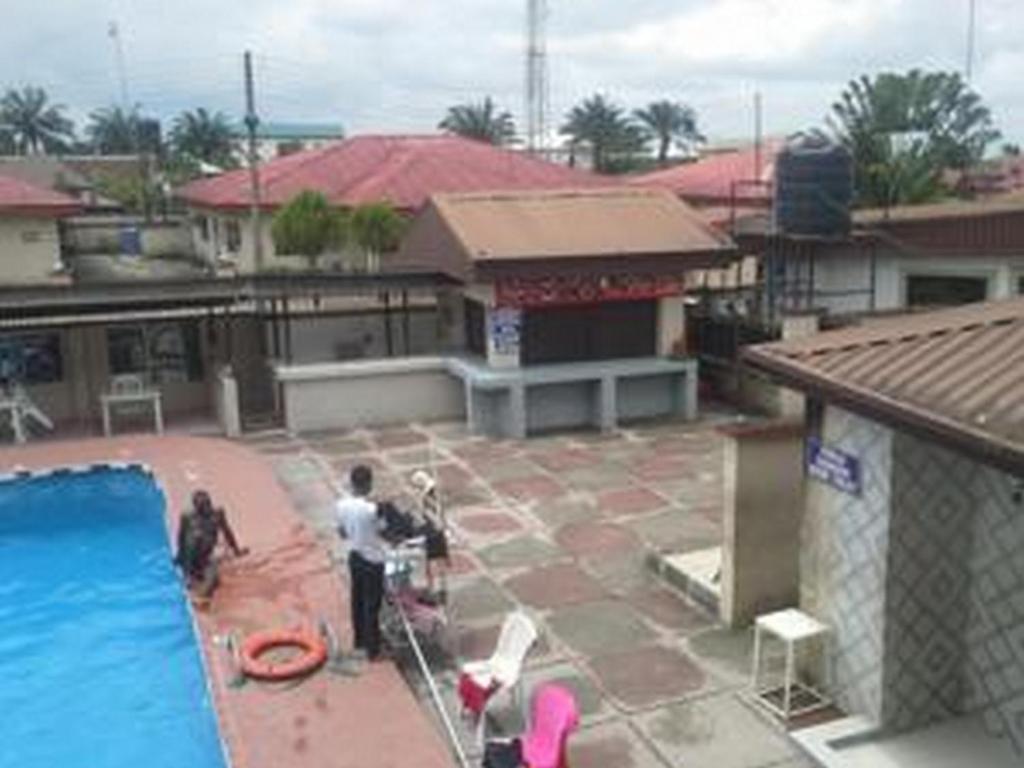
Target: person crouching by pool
column 199, row 532
column 359, row 522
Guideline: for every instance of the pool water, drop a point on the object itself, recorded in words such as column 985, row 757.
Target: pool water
column 99, row 664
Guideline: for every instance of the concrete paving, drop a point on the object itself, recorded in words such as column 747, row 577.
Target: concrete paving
column 563, row 527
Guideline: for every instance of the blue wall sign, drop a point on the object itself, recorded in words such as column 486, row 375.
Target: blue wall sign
column 506, row 329
column 833, row 467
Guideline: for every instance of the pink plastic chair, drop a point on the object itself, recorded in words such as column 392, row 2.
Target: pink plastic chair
column 554, row 716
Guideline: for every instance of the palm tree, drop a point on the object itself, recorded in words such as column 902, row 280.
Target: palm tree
column 308, row 226
column 34, row 125
column 117, row 131
column 668, row 123
column 482, row 122
column 604, row 127
column 376, row 228
column 905, row 130
column 204, row 136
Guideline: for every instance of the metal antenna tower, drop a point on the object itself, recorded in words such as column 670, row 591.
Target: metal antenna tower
column 114, row 33
column 972, row 10
column 536, row 100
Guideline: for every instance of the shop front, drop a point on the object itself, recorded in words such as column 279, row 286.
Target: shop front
column 572, row 304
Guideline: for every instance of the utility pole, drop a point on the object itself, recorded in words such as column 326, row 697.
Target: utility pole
column 758, row 135
column 972, row 13
column 536, row 95
column 251, row 123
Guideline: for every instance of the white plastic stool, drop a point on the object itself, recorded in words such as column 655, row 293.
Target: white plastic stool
column 793, row 628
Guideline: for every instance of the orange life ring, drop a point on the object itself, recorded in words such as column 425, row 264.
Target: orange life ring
column 314, row 653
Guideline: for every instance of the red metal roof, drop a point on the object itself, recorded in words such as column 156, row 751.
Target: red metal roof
column 720, row 178
column 19, row 198
column 403, row 170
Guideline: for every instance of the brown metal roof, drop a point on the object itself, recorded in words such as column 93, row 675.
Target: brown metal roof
column 950, row 209
column 578, row 223
column 956, row 375
column 622, row 229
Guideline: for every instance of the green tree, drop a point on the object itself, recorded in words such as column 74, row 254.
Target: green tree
column 137, row 193
column 604, row 128
column 308, row 226
column 377, row 228
column 667, row 123
column 482, row 122
column 118, row 131
column 905, row 130
column 205, row 137
column 33, row 124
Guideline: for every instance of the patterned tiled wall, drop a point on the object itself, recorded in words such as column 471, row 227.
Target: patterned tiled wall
column 922, row 581
column 843, row 562
column 995, row 634
column 927, row 585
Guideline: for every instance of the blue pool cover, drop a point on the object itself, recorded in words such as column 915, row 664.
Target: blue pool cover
column 99, row 664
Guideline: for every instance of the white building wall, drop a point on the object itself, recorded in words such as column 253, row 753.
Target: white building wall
column 216, row 244
column 850, row 270
column 29, row 249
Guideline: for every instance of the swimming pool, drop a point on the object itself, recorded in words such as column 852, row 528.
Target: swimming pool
column 99, row 664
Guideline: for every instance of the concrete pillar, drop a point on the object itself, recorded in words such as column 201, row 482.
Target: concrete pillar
column 761, row 527
column 608, row 404
column 796, row 326
column 671, row 325
column 227, row 403
column 516, row 426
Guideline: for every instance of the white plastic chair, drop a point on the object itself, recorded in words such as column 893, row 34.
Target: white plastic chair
column 505, row 666
column 127, row 384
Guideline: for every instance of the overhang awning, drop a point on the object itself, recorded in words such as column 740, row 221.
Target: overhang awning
column 201, row 292
column 955, row 376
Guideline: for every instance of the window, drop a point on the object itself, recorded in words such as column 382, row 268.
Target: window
column 944, row 290
column 233, row 236
column 203, row 225
column 1020, row 285
column 31, row 236
column 31, row 358
column 476, row 334
column 593, row 332
column 165, row 353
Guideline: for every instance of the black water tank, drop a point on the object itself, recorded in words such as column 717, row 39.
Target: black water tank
column 813, row 187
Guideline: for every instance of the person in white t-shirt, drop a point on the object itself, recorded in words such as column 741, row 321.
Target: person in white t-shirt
column 360, row 523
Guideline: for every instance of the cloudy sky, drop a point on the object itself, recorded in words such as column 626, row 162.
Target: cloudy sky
column 395, row 65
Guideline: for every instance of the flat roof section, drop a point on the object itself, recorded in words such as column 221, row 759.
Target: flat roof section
column 956, row 376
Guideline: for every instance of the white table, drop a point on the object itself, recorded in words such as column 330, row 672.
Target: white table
column 13, row 408
column 793, row 628
column 150, row 396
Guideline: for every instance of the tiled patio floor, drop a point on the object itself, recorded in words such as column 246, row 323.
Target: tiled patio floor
column 562, row 525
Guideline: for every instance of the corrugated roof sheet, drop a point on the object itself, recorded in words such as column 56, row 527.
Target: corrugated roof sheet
column 19, row 198
column 1012, row 202
column 403, row 170
column 720, row 178
column 577, row 224
column 957, row 374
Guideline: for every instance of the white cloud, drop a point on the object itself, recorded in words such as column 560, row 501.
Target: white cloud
column 395, row 65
